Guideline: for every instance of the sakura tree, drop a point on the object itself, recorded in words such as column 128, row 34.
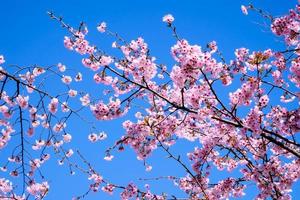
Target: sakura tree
column 251, row 132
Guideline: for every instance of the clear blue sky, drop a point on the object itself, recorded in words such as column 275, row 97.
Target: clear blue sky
column 29, row 37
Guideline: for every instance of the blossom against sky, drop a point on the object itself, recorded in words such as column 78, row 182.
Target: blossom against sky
column 29, row 37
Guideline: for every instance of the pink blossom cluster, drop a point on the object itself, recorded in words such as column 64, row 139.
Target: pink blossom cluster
column 109, row 188
column 295, row 72
column 248, row 132
column 78, row 43
column 38, row 190
column 94, row 64
column 138, row 62
column 244, row 95
column 284, row 121
column 138, row 137
column 254, row 120
column 97, row 180
column 22, row 101
column 129, row 192
column 225, row 189
column 288, row 26
column 193, row 63
column 108, row 111
column 5, row 186
column 52, row 106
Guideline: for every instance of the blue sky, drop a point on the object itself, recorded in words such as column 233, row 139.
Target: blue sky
column 28, row 37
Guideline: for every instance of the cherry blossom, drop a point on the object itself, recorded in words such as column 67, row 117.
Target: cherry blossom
column 2, row 59
column 38, row 189
column 168, row 18
column 238, row 116
column 22, row 101
column 244, row 10
column 101, row 27
column 5, row 186
column 66, row 79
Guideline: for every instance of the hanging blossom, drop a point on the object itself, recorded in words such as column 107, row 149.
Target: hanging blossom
column 22, row 101
column 52, row 106
column 168, row 18
column 189, row 106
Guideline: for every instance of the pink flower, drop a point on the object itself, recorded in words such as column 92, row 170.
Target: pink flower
column 295, row 72
column 2, row 59
column 30, row 132
column 66, row 79
column 244, row 10
column 22, row 101
column 96, row 178
column 107, row 112
column 34, row 164
column 78, row 77
column 3, row 169
column 277, row 77
column 38, row 144
column 85, row 100
column 264, row 100
column 58, row 143
column 108, row 157
column 93, row 137
column 105, row 60
column 5, row 186
column 61, row 67
column 129, row 192
column 93, row 65
column 148, row 168
column 38, row 71
column 68, row 43
column 38, row 189
column 213, row 46
column 72, row 93
column 102, row 136
column 52, row 107
column 67, row 137
column 109, row 188
column 102, row 27
column 69, row 153
column 168, row 18
column 59, row 127
column 65, row 107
